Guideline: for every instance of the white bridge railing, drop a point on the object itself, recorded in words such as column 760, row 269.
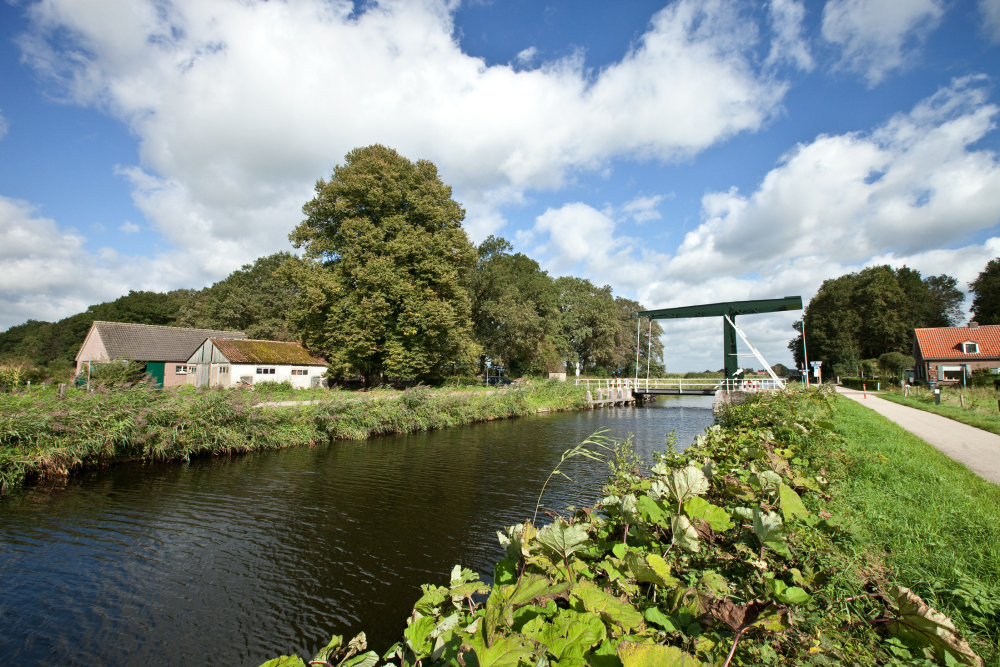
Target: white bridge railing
column 682, row 384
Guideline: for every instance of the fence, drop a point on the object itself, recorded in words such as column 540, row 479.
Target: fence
column 682, row 385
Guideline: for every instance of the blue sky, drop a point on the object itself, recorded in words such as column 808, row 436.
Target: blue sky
column 681, row 152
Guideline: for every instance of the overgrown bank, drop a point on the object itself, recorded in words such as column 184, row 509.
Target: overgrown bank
column 762, row 544
column 41, row 435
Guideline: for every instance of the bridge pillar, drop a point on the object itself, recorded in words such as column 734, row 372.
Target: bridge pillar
column 731, row 362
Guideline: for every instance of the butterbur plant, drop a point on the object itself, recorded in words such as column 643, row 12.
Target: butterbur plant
column 719, row 555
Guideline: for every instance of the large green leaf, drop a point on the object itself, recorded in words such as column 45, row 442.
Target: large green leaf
column 668, row 623
column 918, row 622
column 368, row 659
column 504, row 652
column 418, row 635
column 768, row 529
column 650, row 568
column 655, row 655
column 431, row 599
column 714, row 583
column 714, row 516
column 608, row 606
column 285, row 661
column 686, row 483
column 517, row 539
column 769, row 481
column 652, row 510
column 569, row 635
column 684, row 534
column 564, row 539
column 786, row 594
column 791, row 504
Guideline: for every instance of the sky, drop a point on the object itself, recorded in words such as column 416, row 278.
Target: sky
column 683, row 152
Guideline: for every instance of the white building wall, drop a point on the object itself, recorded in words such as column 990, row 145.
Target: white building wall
column 282, row 372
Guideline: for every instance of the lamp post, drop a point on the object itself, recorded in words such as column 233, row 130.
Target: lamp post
column 805, row 353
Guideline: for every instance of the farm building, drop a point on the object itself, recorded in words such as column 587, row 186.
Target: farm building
column 164, row 349
column 944, row 354
column 221, row 362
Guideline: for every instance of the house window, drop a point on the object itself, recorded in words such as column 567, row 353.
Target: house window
column 970, row 348
column 183, row 369
column 300, row 371
column 265, row 371
column 949, row 372
column 223, row 369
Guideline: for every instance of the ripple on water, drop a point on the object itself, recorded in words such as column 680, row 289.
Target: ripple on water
column 233, row 561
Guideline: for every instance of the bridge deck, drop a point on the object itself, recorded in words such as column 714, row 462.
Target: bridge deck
column 675, row 391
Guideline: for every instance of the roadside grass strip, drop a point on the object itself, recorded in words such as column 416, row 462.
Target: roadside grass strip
column 936, row 522
column 982, row 409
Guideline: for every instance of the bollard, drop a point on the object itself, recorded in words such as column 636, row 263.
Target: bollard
column 937, row 397
column 961, row 399
column 864, row 388
column 62, row 390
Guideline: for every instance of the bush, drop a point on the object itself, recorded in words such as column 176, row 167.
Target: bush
column 272, row 387
column 984, row 377
column 117, row 371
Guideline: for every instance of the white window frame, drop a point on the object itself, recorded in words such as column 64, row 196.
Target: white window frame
column 965, row 347
column 262, row 370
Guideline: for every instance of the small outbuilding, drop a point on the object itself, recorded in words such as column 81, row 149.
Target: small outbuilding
column 222, row 362
column 947, row 354
column 164, row 349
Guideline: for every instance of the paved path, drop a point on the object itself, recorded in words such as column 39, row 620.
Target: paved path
column 976, row 448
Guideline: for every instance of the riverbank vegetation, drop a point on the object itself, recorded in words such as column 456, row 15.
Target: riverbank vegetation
column 44, row 436
column 801, row 529
column 975, row 406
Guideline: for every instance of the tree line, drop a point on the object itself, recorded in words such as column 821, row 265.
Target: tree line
column 864, row 322
column 388, row 285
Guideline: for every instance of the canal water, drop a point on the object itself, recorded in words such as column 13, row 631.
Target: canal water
column 233, row 561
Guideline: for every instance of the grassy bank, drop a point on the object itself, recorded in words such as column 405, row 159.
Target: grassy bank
column 786, row 535
column 981, row 405
column 41, row 435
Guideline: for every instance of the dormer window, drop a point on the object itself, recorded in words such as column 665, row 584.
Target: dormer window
column 970, row 348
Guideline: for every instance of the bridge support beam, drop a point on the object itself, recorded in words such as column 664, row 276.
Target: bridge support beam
column 731, row 362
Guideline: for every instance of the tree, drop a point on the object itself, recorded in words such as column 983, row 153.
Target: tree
column 389, row 235
column 650, row 348
column 986, row 294
column 515, row 310
column 873, row 312
column 589, row 321
column 254, row 299
column 893, row 364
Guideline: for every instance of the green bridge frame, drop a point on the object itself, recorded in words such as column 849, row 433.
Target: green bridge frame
column 732, row 309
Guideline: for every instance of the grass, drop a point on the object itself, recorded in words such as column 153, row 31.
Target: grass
column 934, row 523
column 981, row 405
column 43, row 436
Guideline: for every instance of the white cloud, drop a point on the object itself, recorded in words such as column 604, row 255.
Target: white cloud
column 990, row 10
column 527, row 55
column 239, row 107
column 877, row 36
column 910, row 192
column 643, row 209
column 129, row 228
column 47, row 273
column 789, row 45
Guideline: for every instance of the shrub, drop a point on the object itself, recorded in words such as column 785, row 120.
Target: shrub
column 272, row 387
column 117, row 371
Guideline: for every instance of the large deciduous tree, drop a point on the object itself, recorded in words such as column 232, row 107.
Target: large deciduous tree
column 515, row 309
column 986, row 294
column 388, row 236
column 873, row 312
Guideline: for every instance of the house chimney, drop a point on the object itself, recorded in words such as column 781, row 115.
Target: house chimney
column 973, row 325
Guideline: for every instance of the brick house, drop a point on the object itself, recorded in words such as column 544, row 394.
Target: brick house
column 165, row 350
column 943, row 354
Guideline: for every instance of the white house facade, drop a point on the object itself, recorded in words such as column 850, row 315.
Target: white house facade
column 230, row 363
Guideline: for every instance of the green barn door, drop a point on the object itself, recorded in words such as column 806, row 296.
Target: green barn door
column 155, row 368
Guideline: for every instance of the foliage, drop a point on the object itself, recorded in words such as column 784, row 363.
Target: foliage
column 254, row 299
column 866, row 314
column 116, row 372
column 11, row 376
column 724, row 554
column 390, row 238
column 892, row 364
column 984, row 377
column 515, row 310
column 986, row 294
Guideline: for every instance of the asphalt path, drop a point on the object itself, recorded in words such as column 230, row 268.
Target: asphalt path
column 976, row 448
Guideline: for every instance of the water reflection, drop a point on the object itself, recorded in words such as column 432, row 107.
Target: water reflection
column 233, row 561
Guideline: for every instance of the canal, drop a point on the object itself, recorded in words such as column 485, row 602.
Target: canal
column 231, row 561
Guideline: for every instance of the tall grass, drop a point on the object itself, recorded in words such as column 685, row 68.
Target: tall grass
column 981, row 409
column 43, row 436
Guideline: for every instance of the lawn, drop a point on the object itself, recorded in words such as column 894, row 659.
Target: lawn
column 982, row 405
column 936, row 522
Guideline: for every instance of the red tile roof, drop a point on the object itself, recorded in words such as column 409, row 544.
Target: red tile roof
column 265, row 352
column 946, row 342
